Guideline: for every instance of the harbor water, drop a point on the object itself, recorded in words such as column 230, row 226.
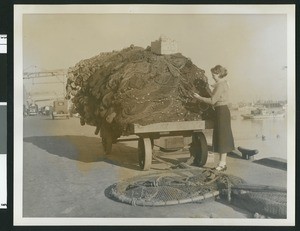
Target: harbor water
column 268, row 136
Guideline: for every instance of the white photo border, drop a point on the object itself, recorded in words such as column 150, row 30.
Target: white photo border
column 20, row 10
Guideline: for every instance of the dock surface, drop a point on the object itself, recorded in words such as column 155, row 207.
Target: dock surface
column 66, row 174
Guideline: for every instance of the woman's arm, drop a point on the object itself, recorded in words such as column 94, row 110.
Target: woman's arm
column 213, row 99
column 203, row 99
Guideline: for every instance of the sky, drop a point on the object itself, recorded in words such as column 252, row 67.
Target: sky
column 253, row 47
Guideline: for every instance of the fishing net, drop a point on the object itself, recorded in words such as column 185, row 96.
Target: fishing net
column 196, row 185
column 271, row 202
column 172, row 187
column 135, row 85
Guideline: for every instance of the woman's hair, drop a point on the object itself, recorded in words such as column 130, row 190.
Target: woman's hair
column 219, row 70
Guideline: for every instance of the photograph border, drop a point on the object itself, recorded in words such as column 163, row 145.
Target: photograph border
column 19, row 10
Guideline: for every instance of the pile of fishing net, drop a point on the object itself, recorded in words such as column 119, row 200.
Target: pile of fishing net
column 197, row 185
column 134, row 85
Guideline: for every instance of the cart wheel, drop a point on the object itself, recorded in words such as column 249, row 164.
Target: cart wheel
column 199, row 149
column 145, row 153
column 152, row 143
column 107, row 144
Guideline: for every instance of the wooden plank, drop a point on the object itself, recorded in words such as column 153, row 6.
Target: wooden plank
column 171, row 126
column 128, row 138
column 174, row 142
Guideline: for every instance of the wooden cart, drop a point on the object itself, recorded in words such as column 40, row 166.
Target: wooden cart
column 148, row 133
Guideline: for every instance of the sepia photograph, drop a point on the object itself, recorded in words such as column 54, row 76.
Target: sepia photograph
column 154, row 115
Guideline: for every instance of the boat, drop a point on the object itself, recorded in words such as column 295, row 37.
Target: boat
column 264, row 113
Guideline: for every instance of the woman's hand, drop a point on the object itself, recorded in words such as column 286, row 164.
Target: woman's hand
column 202, row 99
column 197, row 96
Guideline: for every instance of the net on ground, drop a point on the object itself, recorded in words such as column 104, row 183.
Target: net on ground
column 189, row 185
column 172, row 187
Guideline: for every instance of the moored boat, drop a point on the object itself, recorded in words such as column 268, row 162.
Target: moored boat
column 264, row 113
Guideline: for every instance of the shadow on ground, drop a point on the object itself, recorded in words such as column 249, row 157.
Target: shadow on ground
column 273, row 163
column 86, row 149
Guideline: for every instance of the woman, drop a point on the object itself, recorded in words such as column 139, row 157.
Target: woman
column 222, row 134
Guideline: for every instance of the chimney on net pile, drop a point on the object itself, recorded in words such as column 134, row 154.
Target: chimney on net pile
column 164, row 46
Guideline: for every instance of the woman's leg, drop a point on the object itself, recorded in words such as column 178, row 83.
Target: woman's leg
column 222, row 164
column 223, row 157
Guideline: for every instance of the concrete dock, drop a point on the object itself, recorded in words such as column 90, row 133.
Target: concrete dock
column 66, row 174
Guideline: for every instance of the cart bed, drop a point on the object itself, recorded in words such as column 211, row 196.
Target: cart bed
column 171, row 127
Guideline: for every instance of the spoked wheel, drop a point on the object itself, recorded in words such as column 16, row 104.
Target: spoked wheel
column 107, row 144
column 199, row 149
column 145, row 153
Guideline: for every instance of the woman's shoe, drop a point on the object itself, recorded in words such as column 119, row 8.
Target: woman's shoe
column 221, row 168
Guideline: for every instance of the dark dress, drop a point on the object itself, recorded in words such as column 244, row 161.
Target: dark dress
column 222, row 134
